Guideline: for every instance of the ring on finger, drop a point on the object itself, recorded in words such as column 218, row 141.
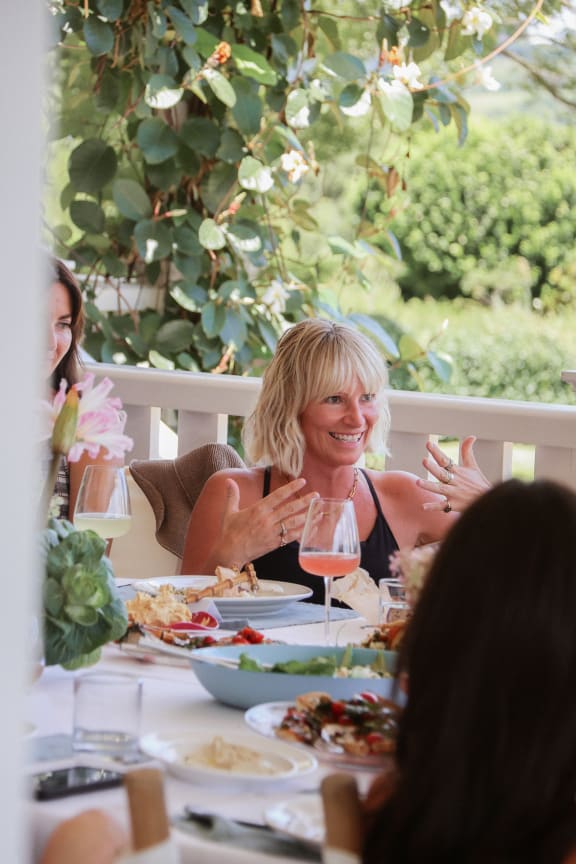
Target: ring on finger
column 448, row 476
column 283, row 533
column 449, row 465
column 447, row 507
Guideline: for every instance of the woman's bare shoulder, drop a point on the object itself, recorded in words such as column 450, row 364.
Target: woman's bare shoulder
column 394, row 482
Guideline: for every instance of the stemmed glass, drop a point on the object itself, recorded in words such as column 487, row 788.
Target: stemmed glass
column 330, row 545
column 103, row 503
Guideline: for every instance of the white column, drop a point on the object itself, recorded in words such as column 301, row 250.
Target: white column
column 21, row 355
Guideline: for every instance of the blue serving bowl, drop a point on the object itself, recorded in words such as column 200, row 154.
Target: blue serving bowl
column 243, row 689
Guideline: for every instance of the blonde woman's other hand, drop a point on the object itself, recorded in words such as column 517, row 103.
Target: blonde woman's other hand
column 456, row 485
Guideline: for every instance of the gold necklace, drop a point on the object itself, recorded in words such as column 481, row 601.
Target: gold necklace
column 350, row 494
column 354, row 487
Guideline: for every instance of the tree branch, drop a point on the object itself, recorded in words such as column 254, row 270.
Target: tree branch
column 540, row 79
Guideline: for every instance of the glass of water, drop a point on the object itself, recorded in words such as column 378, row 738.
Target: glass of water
column 107, row 712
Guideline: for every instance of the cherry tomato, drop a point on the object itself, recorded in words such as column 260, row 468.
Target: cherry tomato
column 338, row 708
column 252, row 636
column 372, row 698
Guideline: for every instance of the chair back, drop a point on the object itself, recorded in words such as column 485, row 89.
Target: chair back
column 162, row 494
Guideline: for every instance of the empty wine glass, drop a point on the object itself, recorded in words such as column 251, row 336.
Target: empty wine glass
column 329, row 546
column 103, row 503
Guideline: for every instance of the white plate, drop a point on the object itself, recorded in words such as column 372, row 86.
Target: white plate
column 299, row 818
column 285, row 762
column 271, row 597
column 265, row 719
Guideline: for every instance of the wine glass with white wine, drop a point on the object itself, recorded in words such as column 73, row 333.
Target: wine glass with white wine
column 103, row 503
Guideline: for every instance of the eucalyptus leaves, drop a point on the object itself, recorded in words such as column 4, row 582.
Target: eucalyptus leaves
column 196, row 168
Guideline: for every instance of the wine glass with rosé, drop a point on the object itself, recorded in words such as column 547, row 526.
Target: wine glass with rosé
column 330, row 546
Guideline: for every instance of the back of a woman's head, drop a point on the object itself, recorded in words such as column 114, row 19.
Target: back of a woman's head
column 314, row 359
column 487, row 744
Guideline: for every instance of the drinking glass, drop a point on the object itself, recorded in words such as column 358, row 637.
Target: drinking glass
column 393, row 604
column 103, row 503
column 107, row 712
column 329, row 546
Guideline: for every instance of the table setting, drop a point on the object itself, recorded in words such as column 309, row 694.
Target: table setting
column 233, row 686
column 208, row 811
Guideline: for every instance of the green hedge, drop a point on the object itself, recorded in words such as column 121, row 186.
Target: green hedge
column 493, row 219
column 504, row 354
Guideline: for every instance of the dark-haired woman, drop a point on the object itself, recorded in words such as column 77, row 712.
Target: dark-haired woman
column 65, row 331
column 486, row 758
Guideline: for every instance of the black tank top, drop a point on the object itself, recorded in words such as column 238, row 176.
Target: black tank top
column 282, row 563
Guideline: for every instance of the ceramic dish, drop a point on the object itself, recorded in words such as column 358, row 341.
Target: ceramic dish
column 183, row 757
column 301, row 818
column 271, row 597
column 244, row 689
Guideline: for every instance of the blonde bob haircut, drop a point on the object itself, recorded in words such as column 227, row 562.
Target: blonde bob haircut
column 314, row 359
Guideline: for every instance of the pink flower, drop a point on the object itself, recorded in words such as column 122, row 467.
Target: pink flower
column 101, row 421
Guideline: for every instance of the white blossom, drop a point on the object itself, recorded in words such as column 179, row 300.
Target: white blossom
column 294, row 164
column 453, row 10
column 486, row 79
column 392, row 88
column 476, row 22
column 275, row 297
column 408, row 74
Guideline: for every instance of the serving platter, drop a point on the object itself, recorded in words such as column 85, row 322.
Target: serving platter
column 182, row 756
column 267, row 717
column 272, row 596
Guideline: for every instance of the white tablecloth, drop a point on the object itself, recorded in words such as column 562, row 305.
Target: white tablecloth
column 173, row 703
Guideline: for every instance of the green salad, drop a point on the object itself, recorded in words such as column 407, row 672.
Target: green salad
column 327, row 666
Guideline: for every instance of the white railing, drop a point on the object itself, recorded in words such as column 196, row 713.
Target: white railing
column 204, row 402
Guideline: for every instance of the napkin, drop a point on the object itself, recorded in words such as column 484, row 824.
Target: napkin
column 259, row 838
column 359, row 591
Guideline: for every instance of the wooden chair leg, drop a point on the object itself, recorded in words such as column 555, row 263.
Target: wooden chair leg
column 343, row 814
column 150, row 824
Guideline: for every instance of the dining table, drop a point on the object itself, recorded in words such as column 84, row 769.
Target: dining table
column 174, row 703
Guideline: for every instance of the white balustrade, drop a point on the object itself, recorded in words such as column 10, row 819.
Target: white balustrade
column 205, row 401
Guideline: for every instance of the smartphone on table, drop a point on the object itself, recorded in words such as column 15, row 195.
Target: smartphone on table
column 73, row 780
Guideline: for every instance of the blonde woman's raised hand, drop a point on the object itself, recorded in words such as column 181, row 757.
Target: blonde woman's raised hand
column 273, row 521
column 456, row 485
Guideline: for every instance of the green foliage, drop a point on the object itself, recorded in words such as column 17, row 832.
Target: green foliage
column 82, row 610
column 495, row 223
column 194, row 163
column 504, row 353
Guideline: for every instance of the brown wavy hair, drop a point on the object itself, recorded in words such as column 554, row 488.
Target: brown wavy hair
column 70, row 365
column 486, row 752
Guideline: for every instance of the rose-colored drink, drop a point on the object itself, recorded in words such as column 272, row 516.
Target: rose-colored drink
column 330, row 564
column 329, row 546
